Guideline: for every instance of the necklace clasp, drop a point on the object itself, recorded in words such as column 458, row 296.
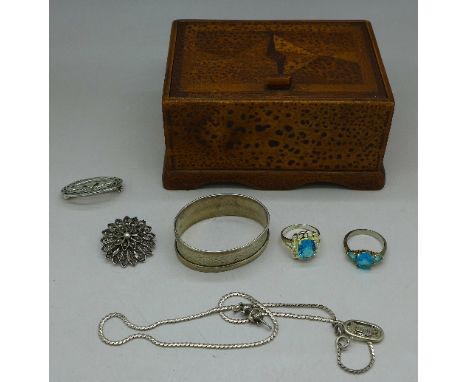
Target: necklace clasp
column 253, row 313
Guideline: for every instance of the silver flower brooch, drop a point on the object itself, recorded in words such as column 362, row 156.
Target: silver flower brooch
column 128, row 241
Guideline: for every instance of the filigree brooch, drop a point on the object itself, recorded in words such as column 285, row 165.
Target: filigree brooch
column 128, row 241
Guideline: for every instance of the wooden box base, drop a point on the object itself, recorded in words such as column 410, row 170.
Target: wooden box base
column 271, row 180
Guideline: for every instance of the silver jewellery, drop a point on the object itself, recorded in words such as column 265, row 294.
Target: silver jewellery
column 128, row 241
column 364, row 258
column 303, row 244
column 92, row 186
column 258, row 313
column 220, row 205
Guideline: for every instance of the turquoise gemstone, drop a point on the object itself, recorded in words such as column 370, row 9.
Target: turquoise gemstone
column 351, row 255
column 364, row 260
column 306, row 249
column 377, row 259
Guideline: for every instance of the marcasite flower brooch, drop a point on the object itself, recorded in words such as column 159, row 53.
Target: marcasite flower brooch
column 128, row 241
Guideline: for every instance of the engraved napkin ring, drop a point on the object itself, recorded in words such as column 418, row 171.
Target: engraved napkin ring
column 214, row 206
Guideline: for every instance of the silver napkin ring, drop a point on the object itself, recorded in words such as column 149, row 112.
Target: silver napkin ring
column 92, row 186
column 214, row 206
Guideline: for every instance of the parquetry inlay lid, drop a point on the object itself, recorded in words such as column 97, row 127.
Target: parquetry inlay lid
column 276, row 59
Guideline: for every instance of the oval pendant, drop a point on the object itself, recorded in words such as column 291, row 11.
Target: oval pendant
column 363, row 331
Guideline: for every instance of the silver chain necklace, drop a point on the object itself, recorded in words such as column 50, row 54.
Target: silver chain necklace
column 255, row 312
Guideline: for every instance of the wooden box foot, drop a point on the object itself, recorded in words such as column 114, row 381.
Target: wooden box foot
column 272, row 180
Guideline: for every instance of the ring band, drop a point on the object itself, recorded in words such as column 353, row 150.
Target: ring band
column 302, row 244
column 214, row 206
column 92, row 186
column 364, row 258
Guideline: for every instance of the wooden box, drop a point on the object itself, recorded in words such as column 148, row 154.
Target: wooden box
column 275, row 104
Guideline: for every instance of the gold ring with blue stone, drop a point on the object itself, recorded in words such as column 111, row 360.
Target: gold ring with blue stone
column 365, row 258
column 302, row 240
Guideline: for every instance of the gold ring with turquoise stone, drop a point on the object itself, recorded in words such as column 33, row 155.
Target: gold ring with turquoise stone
column 302, row 240
column 365, row 258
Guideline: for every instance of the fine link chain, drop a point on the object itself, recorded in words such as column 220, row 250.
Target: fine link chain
column 255, row 312
column 216, row 310
column 339, row 350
